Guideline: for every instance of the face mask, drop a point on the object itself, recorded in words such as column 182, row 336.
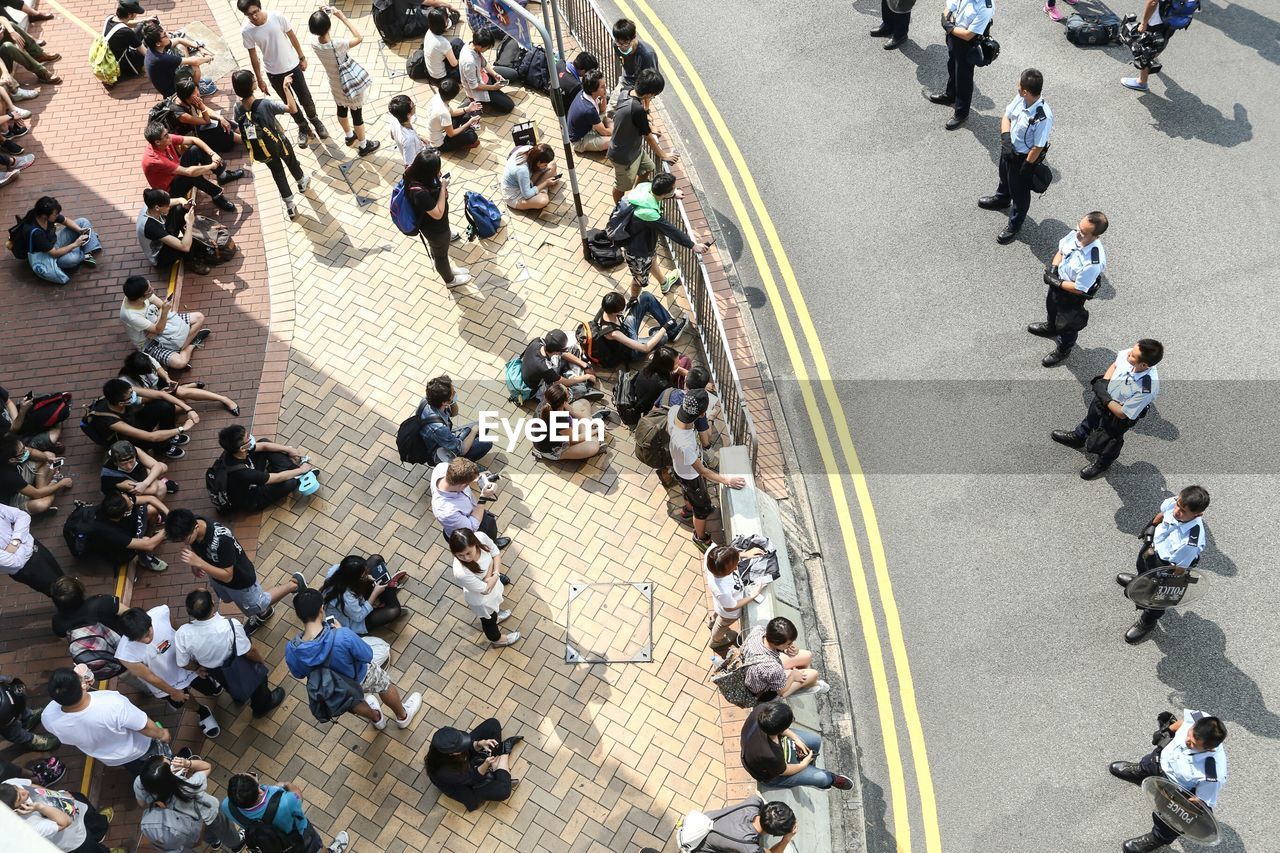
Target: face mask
column 134, row 398
column 627, row 51
column 26, row 454
column 253, row 442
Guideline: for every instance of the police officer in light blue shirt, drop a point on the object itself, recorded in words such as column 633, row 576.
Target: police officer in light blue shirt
column 1174, row 538
column 1120, row 397
column 1024, row 136
column 1192, row 758
column 1072, row 277
column 965, row 22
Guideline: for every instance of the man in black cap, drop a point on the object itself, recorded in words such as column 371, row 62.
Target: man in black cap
column 686, row 461
column 472, row 768
column 123, row 33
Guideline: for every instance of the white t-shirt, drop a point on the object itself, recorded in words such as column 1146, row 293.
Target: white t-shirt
column 472, row 71
column 434, row 50
column 473, row 584
column 108, row 729
column 725, row 592
column 683, row 446
column 138, row 323
column 406, row 139
column 438, row 119
column 271, row 40
column 159, row 655
column 208, row 643
column 71, row 838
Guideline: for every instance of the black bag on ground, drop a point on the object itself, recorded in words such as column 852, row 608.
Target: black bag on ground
column 533, row 70
column 399, row 20
column 165, row 113
column 602, row 251
column 625, row 400
column 416, row 65
column 509, row 55
column 1092, row 31
column 77, row 528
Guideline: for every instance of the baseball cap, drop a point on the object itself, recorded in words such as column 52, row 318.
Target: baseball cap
column 133, row 7
column 693, row 406
column 450, row 741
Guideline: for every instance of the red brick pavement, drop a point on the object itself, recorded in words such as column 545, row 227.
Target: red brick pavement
column 88, row 144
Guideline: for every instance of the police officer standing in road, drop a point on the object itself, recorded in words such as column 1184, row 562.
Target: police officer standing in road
column 1188, row 753
column 893, row 24
column 965, row 21
column 1024, row 136
column 1175, row 537
column 1072, row 278
column 1121, row 396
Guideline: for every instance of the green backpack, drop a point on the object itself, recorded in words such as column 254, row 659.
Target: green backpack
column 102, row 62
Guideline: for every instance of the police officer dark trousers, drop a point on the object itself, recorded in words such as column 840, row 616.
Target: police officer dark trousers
column 1189, row 753
column 1174, row 538
column 1024, row 137
column 1072, row 277
column 964, row 22
column 892, row 24
column 1121, row 396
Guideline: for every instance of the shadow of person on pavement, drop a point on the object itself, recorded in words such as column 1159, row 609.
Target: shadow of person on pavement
column 1244, row 26
column 1182, row 115
column 1042, row 238
column 1196, row 667
column 1142, row 488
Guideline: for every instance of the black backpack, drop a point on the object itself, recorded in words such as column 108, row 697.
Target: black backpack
column 77, row 528
column 400, row 20
column 215, row 482
column 410, row 444
column 263, row 836
column 602, row 251
column 20, row 239
column 598, row 349
column 509, row 54
column 165, row 113
column 533, row 70
column 95, row 424
column 625, row 399
column 416, row 65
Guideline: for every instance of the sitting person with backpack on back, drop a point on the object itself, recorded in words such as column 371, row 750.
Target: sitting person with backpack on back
column 739, row 829
column 53, row 245
column 272, row 817
column 258, row 473
column 120, row 413
column 635, row 226
column 1160, row 18
column 619, row 327
column 121, row 532
column 436, row 425
column 256, row 119
column 123, row 35
column 323, row 643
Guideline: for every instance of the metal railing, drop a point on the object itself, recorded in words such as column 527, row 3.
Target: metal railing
column 593, row 32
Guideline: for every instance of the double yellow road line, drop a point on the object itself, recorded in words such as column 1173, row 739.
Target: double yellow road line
column 700, row 109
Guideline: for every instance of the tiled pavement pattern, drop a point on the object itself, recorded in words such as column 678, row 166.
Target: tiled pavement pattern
column 358, row 322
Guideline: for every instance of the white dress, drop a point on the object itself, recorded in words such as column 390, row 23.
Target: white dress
column 481, row 603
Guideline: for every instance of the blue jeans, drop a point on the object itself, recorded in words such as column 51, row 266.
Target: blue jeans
column 53, row 269
column 647, row 305
column 811, row 776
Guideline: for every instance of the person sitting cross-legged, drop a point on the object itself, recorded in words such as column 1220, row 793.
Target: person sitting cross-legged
column 134, row 472
column 567, row 427
column 452, row 128
column 259, row 473
column 343, row 651
column 54, row 245
column 472, row 767
column 529, row 176
column 122, row 531
column 157, row 328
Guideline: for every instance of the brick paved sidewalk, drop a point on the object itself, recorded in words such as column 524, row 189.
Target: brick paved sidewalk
column 358, row 321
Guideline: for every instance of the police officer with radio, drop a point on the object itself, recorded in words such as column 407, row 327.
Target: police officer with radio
column 1024, row 137
column 1072, row 277
column 1175, row 537
column 965, row 22
column 1189, row 753
column 1122, row 395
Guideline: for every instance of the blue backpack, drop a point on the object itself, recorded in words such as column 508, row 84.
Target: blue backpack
column 517, row 391
column 402, row 211
column 483, row 217
column 1177, row 14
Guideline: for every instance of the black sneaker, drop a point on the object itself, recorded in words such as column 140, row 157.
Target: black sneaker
column 173, row 451
column 221, row 202
column 277, row 696
column 252, row 624
column 201, row 337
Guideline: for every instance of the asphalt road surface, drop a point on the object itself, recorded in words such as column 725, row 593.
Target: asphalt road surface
column 1001, row 557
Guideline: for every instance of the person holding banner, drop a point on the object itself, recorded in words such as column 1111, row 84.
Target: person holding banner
column 1188, row 753
column 1175, row 537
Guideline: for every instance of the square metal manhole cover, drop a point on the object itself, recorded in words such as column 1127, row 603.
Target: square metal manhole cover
column 610, row 623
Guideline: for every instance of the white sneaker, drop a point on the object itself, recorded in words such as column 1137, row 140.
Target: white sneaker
column 303, row 183
column 412, row 706
column 291, row 207
column 816, row 690
column 455, row 236
column 22, row 161
column 6, row 177
column 461, row 271
column 504, row 615
column 508, row 640
column 459, row 280
column 372, row 702
column 341, row 842
column 19, row 112
column 25, row 94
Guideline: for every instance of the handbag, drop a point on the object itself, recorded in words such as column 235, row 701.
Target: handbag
column 352, row 78
column 238, row 674
column 731, row 680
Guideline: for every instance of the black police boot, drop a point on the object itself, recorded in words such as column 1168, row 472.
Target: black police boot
column 1128, row 771
column 895, row 42
column 1142, row 844
column 1041, row 330
column 1125, row 578
column 1138, row 631
column 994, row 202
column 956, row 120
column 1093, row 471
column 1067, row 437
column 881, row 32
column 939, row 97
column 1055, row 358
column 1006, row 236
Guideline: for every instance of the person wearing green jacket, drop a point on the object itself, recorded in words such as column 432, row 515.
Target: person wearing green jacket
column 635, row 226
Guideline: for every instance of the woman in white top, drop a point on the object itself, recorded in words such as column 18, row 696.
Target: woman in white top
column 529, row 175
column 728, row 594
column 440, row 53
column 348, row 80
column 477, row 568
column 408, row 141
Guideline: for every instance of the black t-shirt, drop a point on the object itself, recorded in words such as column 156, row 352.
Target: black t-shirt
column 461, row 782
column 113, row 477
column 46, row 239
column 244, row 481
column 104, row 609
column 423, row 199
column 110, row 539
column 537, row 368
column 11, row 482
column 125, row 40
column 220, row 548
column 761, row 757
column 648, row 388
